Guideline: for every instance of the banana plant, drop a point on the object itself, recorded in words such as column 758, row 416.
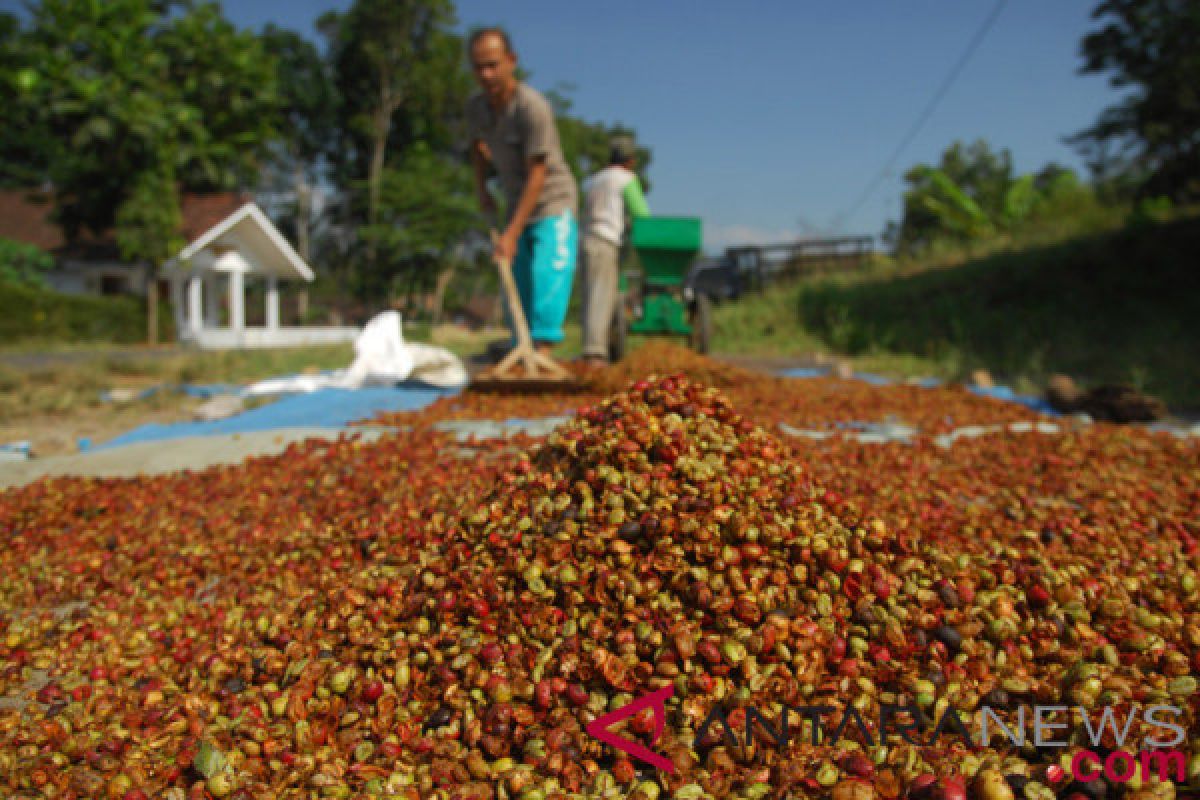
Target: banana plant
column 1019, row 201
column 956, row 211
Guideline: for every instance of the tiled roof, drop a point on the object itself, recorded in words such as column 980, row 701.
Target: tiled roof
column 25, row 217
column 202, row 211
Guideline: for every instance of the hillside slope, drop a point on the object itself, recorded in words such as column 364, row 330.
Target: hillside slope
column 1121, row 306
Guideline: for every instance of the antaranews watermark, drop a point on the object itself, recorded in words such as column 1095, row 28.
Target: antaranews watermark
column 1159, row 757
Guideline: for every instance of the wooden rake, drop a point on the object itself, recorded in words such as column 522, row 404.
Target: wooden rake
column 524, row 367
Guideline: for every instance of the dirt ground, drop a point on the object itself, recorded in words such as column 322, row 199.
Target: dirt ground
column 152, row 458
column 59, row 434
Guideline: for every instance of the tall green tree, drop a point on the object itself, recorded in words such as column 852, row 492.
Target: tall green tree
column 131, row 102
column 1148, row 48
column 400, row 78
column 24, row 153
column 227, row 79
column 147, row 227
column 427, row 208
column 106, row 82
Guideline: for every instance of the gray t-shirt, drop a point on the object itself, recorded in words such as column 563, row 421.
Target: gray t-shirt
column 513, row 136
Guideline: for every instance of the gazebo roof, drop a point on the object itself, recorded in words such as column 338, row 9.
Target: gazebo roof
column 248, row 232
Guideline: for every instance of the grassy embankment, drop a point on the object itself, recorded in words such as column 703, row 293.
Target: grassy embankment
column 1118, row 303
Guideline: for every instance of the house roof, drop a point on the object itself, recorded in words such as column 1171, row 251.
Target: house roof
column 251, row 234
column 25, row 216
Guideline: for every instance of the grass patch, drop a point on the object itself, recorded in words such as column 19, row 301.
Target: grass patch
column 242, row 366
column 75, row 384
column 763, row 324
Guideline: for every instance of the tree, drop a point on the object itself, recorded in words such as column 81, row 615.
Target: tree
column 148, row 224
column 399, row 73
column 973, row 194
column 1149, row 48
column 227, row 80
column 24, row 152
column 985, row 175
column 307, row 118
column 937, row 207
column 961, row 199
column 427, row 208
column 1060, row 194
column 108, row 81
column 131, row 102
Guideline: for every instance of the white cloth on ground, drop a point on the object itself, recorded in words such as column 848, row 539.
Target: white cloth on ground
column 381, row 358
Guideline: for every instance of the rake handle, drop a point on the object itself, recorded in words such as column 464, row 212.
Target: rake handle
column 513, row 297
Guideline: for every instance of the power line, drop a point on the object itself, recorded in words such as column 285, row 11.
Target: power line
column 924, row 116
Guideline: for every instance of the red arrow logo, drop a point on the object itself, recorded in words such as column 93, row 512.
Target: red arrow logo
column 599, row 727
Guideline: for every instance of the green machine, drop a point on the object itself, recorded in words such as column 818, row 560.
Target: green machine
column 666, row 248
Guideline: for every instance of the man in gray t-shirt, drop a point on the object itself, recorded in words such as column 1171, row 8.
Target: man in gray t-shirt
column 511, row 126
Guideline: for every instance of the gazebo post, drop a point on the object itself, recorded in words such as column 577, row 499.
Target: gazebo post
column 272, row 302
column 195, row 304
column 237, row 301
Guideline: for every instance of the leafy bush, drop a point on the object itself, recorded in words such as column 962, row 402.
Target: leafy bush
column 1151, row 210
column 23, row 264
column 973, row 199
column 31, row 314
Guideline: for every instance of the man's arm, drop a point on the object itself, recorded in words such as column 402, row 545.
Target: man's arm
column 479, row 163
column 635, row 201
column 506, row 248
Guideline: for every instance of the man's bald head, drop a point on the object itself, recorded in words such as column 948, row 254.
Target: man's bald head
column 480, row 33
column 494, row 64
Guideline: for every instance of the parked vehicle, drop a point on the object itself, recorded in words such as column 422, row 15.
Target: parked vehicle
column 719, row 278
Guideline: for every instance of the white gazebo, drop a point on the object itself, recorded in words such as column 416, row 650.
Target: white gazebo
column 243, row 247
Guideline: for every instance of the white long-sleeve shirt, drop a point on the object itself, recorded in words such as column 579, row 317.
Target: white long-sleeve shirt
column 607, row 195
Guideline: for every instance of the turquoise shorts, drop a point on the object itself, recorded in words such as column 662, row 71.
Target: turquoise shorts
column 544, row 269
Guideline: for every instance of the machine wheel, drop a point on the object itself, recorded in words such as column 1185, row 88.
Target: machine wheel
column 701, row 323
column 618, row 333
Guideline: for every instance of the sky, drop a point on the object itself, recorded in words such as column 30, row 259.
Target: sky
column 770, row 118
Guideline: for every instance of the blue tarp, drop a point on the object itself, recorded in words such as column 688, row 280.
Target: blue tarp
column 823, row 372
column 804, row 372
column 1008, row 395
column 324, row 408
